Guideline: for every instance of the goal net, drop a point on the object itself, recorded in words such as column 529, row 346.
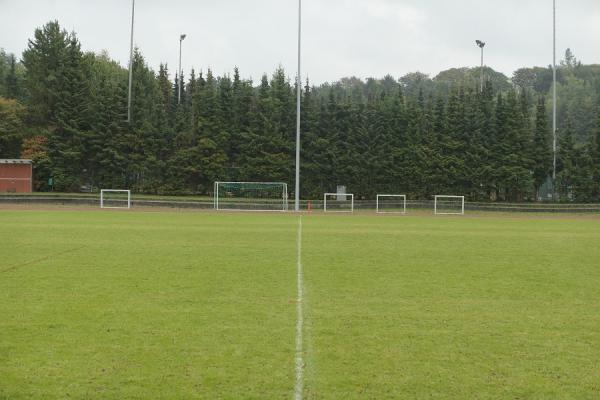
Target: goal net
column 338, row 202
column 449, row 205
column 251, row 196
column 391, row 204
column 113, row 198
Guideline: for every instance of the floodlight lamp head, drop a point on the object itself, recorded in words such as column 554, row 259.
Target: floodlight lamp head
column 182, row 37
column 480, row 43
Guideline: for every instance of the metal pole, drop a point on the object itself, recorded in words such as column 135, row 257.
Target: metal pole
column 130, row 63
column 482, row 69
column 179, row 80
column 481, row 46
column 554, row 96
column 298, row 107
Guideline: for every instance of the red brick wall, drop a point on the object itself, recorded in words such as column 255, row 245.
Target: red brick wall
column 15, row 178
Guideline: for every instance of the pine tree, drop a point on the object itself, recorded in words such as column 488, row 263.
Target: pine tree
column 514, row 169
column 452, row 145
column 68, row 142
column 475, row 154
column 45, row 60
column 566, row 163
column 4, row 62
column 418, row 135
column 594, row 162
column 489, row 141
column 13, row 91
column 541, row 149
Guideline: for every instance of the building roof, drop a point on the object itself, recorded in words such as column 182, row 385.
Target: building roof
column 15, row 161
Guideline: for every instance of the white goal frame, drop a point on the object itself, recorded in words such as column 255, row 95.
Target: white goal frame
column 338, row 194
column 462, row 211
column 115, row 191
column 400, row 196
column 218, row 207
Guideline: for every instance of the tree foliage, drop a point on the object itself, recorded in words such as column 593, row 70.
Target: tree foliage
column 415, row 135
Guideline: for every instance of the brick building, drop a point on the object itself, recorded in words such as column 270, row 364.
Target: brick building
column 16, row 176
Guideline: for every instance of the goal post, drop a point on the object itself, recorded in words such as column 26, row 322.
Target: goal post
column 449, row 205
column 391, row 204
column 115, row 199
column 338, row 202
column 250, row 196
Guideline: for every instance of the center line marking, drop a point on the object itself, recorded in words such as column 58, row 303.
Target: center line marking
column 299, row 319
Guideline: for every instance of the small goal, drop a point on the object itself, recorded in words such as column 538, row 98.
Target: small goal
column 250, row 196
column 449, row 205
column 115, row 198
column 391, row 204
column 338, row 202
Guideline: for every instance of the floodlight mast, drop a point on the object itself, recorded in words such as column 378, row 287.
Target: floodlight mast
column 554, row 99
column 481, row 46
column 298, row 108
column 181, row 38
column 130, row 63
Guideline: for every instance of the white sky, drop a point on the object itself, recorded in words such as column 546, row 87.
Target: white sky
column 341, row 37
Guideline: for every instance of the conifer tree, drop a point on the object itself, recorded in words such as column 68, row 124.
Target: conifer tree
column 12, row 86
column 566, row 162
column 594, row 161
column 541, row 149
column 45, row 60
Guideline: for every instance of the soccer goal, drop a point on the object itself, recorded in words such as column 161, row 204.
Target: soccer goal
column 114, row 198
column 391, row 204
column 338, row 202
column 250, row 196
column 449, row 205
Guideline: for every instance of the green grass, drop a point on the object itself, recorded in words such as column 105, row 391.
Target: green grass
column 124, row 305
column 96, row 195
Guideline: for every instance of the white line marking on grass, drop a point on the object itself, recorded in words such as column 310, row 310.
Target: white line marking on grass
column 299, row 319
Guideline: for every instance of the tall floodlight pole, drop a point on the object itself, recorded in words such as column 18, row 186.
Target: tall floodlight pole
column 130, row 63
column 481, row 46
column 554, row 97
column 298, row 100
column 181, row 37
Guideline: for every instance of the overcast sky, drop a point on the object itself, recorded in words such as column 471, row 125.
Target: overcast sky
column 341, row 37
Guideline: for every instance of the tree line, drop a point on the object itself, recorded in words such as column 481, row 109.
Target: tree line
column 67, row 110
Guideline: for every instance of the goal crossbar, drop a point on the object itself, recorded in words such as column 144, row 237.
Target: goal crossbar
column 381, row 199
column 103, row 200
column 440, row 198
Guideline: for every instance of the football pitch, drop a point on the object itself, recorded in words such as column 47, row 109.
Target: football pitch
column 182, row 305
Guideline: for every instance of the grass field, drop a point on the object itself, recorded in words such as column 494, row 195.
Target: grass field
column 132, row 305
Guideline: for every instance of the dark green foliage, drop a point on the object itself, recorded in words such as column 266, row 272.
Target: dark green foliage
column 594, row 161
column 11, row 77
column 45, row 60
column 11, row 128
column 542, row 146
column 416, row 135
column 13, row 89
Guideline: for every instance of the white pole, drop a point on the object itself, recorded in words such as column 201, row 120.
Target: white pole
column 179, row 72
column 554, row 97
column 482, row 69
column 298, row 107
column 216, row 194
column 481, row 46
column 130, row 63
